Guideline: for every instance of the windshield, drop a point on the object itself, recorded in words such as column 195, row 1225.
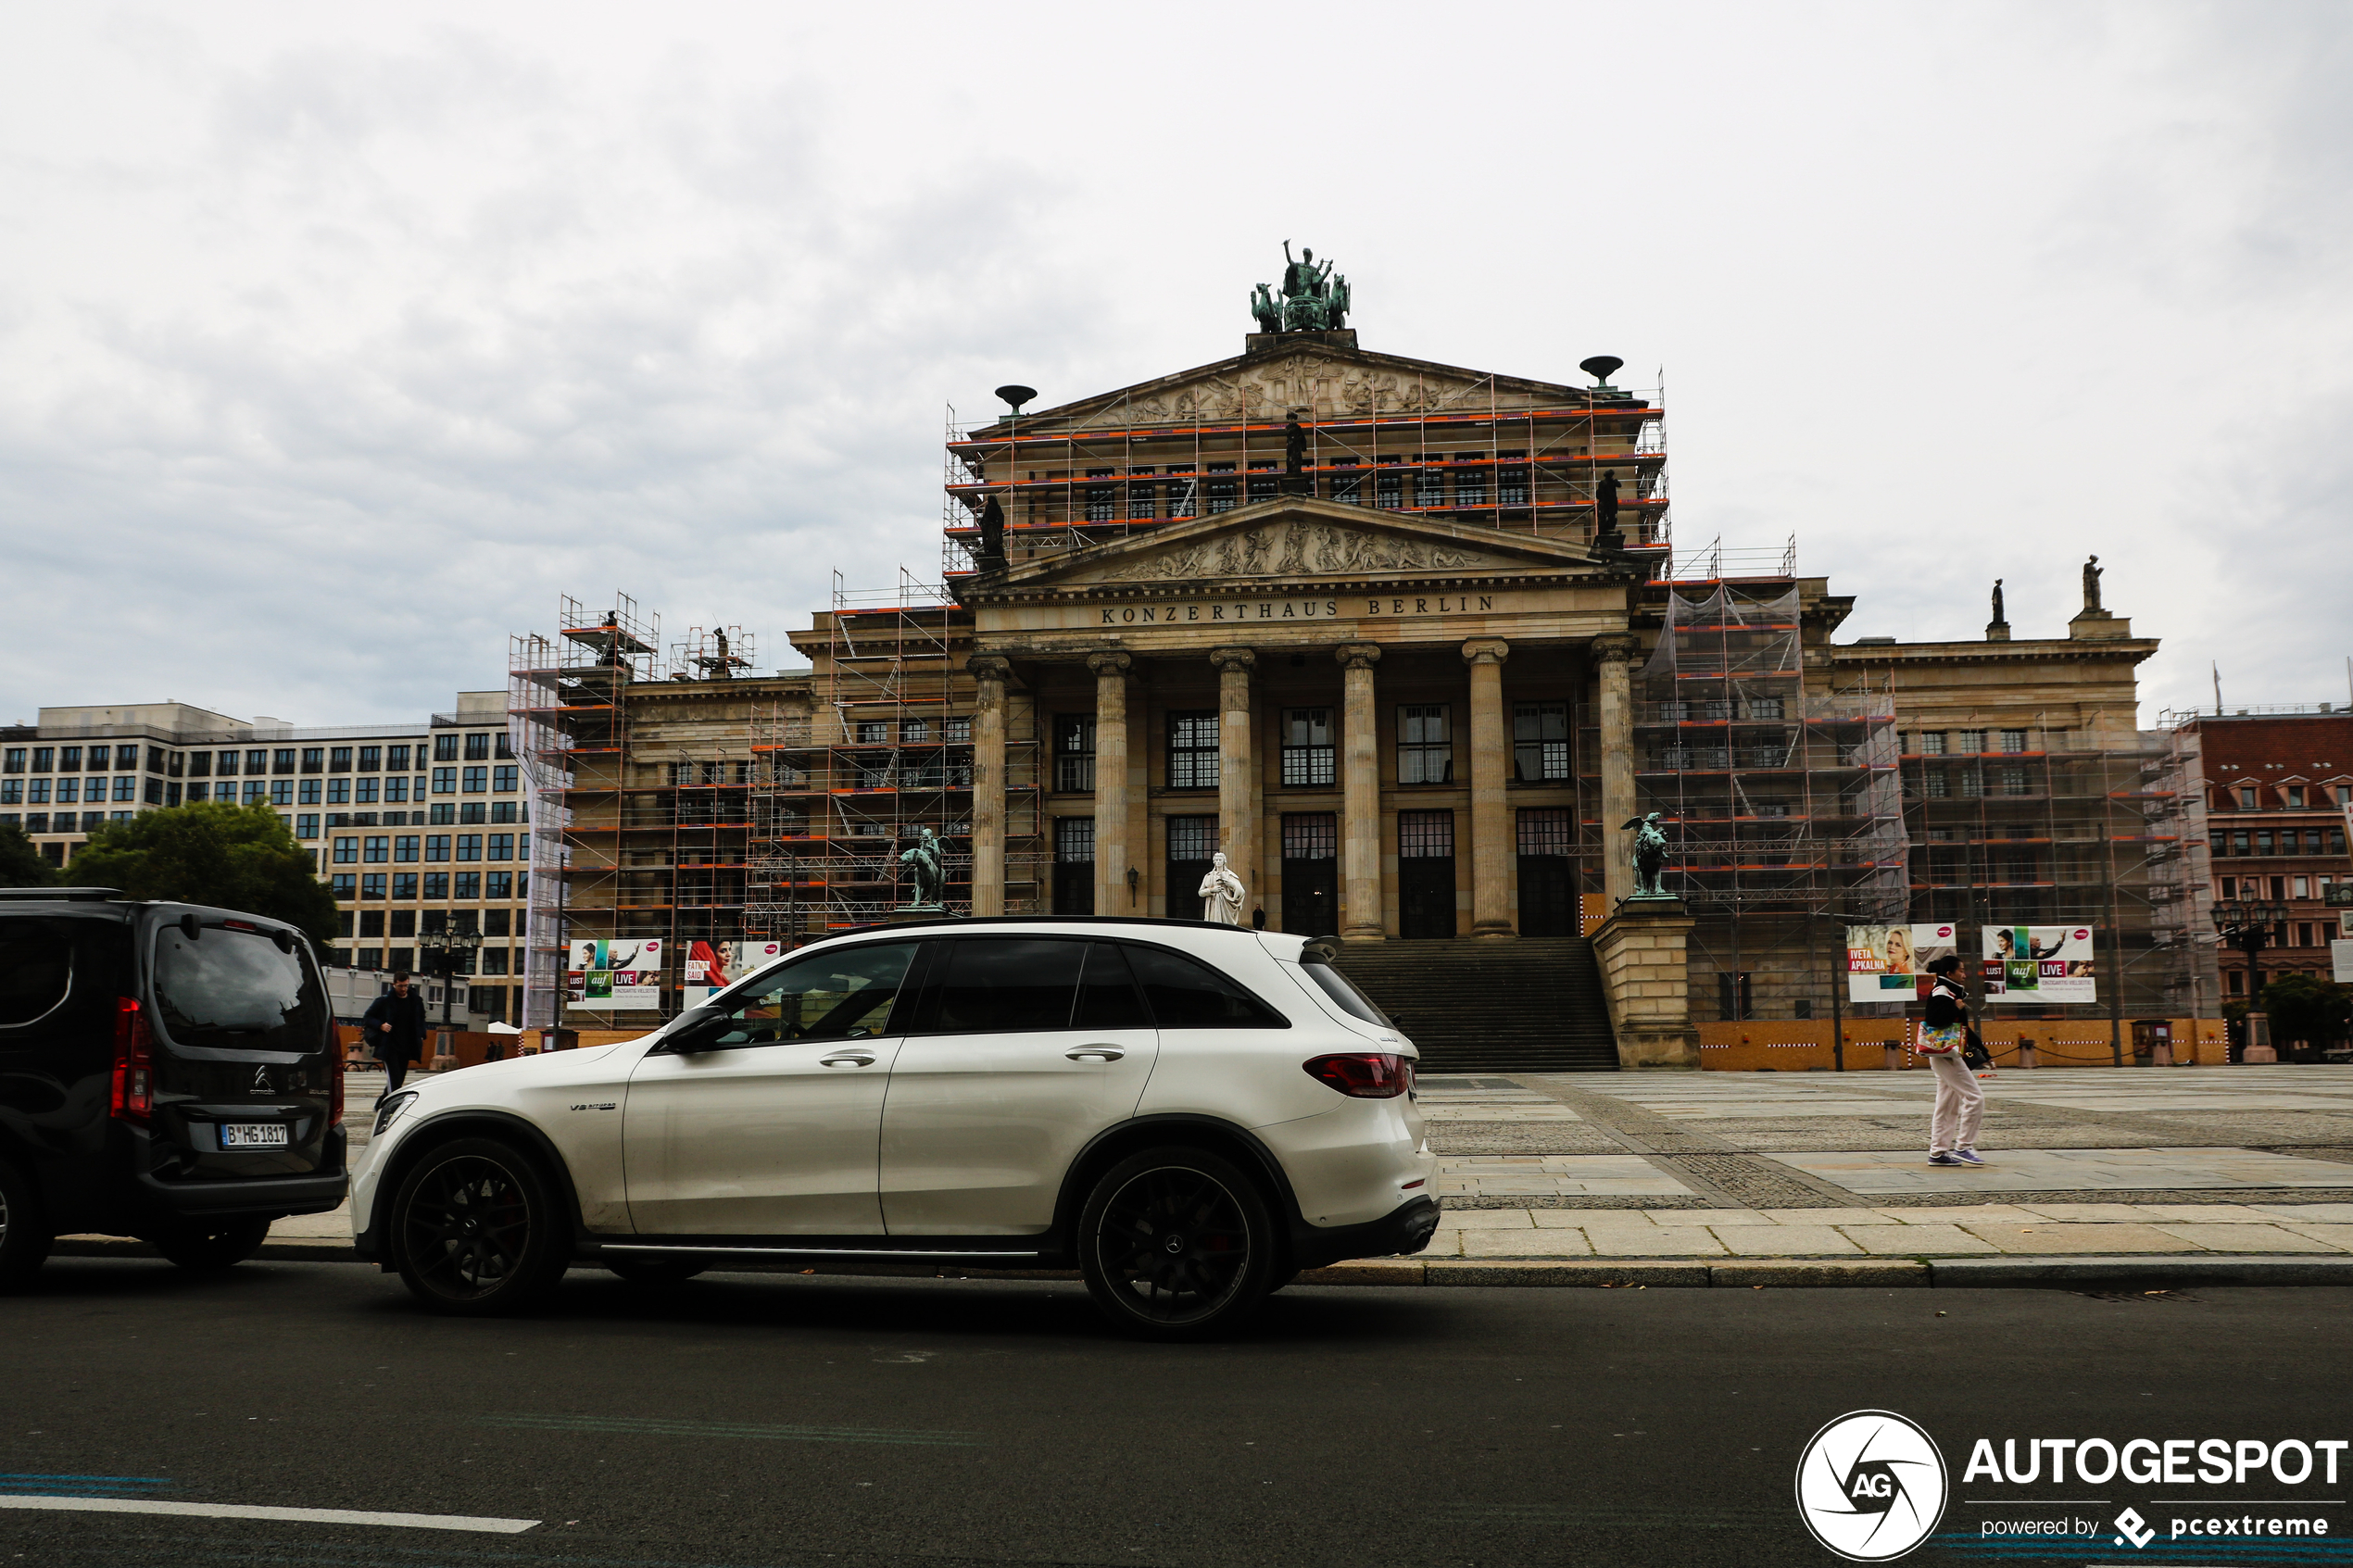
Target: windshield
column 237, row 989
column 1343, row 992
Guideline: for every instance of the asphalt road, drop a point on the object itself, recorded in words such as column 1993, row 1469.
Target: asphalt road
column 749, row 1419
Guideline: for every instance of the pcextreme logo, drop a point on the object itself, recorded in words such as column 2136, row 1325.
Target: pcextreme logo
column 1871, row 1485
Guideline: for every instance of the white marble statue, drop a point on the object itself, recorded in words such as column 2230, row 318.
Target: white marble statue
column 1221, row 893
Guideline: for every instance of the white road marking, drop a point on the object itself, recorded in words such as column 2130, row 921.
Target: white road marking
column 297, row 1515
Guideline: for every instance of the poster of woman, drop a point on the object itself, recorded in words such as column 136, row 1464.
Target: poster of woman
column 1889, row 963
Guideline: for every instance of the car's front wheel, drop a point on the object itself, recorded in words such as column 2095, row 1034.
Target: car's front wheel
column 221, row 1244
column 476, row 1230
column 24, row 1233
column 1177, row 1243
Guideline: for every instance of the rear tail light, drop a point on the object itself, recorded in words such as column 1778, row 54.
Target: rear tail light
column 134, row 1062
column 1364, row 1074
column 334, row 1065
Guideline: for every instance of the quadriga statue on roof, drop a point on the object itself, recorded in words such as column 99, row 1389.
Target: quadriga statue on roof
column 1315, row 298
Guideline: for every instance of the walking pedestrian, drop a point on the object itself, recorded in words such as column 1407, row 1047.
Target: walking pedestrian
column 1960, row 1104
column 395, row 1027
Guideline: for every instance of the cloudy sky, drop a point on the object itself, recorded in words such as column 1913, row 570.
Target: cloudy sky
column 336, row 343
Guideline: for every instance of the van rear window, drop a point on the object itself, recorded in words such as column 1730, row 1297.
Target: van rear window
column 36, row 970
column 237, row 989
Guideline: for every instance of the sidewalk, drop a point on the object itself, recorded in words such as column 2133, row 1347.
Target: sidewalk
column 2239, row 1174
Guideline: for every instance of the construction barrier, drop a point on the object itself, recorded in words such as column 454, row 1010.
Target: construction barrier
column 1805, row 1044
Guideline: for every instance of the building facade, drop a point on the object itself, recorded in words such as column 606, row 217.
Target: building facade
column 1407, row 643
column 416, row 828
column 2276, row 789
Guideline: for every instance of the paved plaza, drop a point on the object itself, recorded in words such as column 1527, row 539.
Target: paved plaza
column 2238, row 1160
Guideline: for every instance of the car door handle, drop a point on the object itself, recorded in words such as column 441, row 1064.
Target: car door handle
column 848, row 1059
column 1095, row 1053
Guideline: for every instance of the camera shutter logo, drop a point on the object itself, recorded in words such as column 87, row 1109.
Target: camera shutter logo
column 1871, row 1485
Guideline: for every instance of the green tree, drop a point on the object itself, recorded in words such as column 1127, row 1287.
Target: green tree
column 228, row 857
column 21, row 861
column 2305, row 1006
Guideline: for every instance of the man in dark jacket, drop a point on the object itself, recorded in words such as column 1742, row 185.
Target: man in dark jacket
column 395, row 1027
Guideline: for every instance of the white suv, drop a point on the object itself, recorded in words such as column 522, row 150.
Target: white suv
column 1189, row 1114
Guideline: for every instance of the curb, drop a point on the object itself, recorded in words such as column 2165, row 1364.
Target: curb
column 1810, row 1274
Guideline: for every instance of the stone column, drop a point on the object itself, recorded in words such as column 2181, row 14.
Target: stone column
column 1360, row 795
column 1612, row 657
column 1490, row 755
column 1111, row 780
column 988, row 782
column 1237, row 827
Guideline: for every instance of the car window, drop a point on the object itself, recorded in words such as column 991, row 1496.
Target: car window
column 237, row 988
column 1189, row 994
column 1343, row 992
column 843, row 994
column 1107, row 995
column 1009, row 986
column 36, row 970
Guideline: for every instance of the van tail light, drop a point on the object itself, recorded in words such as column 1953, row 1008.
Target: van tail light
column 1364, row 1074
column 134, row 1062
column 334, row 1092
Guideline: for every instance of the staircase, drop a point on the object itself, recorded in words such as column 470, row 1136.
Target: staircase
column 1529, row 1005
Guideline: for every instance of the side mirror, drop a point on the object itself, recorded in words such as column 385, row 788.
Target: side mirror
column 696, row 1029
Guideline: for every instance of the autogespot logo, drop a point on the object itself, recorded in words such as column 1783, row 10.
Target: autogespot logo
column 1870, row 1486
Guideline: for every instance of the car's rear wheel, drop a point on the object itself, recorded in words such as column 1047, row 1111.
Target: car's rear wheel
column 24, row 1229
column 1177, row 1243
column 655, row 1270
column 217, row 1244
column 476, row 1230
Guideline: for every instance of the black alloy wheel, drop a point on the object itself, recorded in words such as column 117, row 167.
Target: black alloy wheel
column 1177, row 1243
column 24, row 1235
column 655, row 1270
column 217, row 1244
column 477, row 1230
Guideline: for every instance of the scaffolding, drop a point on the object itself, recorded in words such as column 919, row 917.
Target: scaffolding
column 1517, row 456
column 2017, row 819
column 568, row 723
column 839, row 797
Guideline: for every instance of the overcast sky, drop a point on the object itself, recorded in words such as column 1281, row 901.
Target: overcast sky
column 336, row 343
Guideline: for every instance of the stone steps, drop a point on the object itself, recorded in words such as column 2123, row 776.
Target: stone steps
column 1529, row 1005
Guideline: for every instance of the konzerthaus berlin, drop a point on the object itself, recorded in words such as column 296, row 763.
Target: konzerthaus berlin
column 1408, row 645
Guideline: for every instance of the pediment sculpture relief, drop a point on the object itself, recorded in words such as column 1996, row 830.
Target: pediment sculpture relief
column 1297, row 549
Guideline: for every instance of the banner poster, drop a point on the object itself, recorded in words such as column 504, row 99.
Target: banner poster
column 614, row 975
column 2038, row 965
column 712, row 966
column 1889, row 963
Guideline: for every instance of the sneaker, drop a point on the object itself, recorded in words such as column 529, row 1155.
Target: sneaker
column 1968, row 1156
column 1945, row 1159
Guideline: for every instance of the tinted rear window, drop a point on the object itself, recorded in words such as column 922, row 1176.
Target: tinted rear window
column 1342, row 990
column 1187, row 995
column 36, row 970
column 237, row 989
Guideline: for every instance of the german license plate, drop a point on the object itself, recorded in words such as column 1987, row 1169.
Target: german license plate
column 253, row 1134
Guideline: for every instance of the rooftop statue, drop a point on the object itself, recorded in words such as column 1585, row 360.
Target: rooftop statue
column 2092, row 583
column 1315, row 298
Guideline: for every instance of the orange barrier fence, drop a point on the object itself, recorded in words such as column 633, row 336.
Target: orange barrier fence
column 1803, row 1045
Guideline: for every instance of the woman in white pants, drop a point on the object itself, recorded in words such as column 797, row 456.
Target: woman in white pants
column 1960, row 1104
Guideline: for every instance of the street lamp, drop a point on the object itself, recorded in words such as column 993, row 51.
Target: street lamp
column 2247, row 926
column 450, row 954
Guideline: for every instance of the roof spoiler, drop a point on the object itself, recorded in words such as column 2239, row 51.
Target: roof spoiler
column 62, row 895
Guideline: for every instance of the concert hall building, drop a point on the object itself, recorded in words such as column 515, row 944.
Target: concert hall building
column 1411, row 645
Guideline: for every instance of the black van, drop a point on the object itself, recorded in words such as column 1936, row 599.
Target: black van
column 167, row 1072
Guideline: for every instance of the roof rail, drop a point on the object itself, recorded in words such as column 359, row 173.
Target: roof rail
column 1039, row 919
column 62, row 895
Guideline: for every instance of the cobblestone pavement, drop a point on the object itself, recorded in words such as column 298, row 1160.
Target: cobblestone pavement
column 2246, row 1160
